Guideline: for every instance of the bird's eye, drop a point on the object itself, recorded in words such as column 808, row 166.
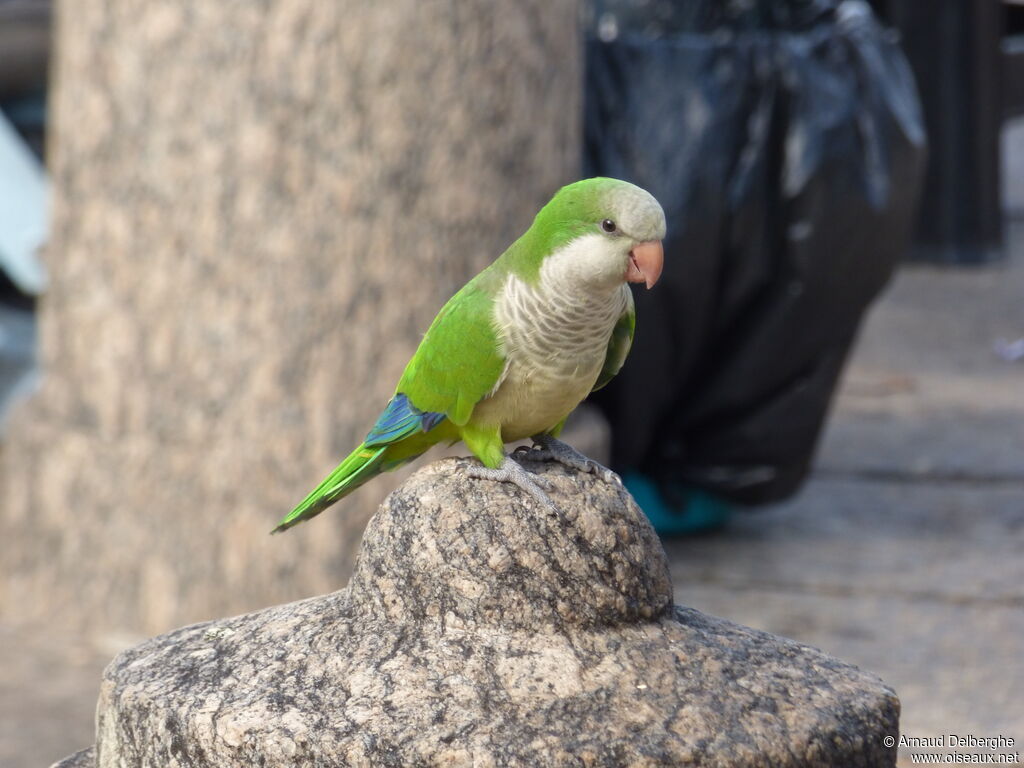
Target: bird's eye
column 608, row 225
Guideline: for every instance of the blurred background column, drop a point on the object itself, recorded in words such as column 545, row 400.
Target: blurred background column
column 954, row 49
column 259, row 207
column 968, row 69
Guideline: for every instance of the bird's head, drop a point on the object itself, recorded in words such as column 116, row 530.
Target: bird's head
column 603, row 232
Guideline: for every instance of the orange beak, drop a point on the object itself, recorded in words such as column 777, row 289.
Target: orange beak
column 645, row 263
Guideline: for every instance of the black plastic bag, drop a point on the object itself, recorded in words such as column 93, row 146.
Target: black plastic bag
column 785, row 142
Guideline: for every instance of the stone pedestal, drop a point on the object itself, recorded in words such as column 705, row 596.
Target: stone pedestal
column 259, row 208
column 479, row 630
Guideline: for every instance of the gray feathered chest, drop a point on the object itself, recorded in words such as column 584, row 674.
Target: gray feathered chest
column 558, row 331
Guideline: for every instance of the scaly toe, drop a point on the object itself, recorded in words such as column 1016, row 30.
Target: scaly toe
column 512, row 472
column 555, row 450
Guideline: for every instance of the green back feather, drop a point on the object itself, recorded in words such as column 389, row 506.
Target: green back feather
column 460, row 359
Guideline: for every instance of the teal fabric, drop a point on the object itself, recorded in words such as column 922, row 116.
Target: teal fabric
column 699, row 511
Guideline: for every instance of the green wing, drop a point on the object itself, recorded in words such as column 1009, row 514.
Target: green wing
column 618, row 345
column 460, row 360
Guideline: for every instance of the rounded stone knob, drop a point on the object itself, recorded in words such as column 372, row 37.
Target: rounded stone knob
column 461, row 551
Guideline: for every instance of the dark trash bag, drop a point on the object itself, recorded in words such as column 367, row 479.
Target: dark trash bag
column 785, row 142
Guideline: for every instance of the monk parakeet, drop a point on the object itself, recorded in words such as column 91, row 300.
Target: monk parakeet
column 520, row 345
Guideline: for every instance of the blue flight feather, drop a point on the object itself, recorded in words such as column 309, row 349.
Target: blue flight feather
column 400, row 419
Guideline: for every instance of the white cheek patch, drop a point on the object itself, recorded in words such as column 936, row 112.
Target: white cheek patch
column 588, row 259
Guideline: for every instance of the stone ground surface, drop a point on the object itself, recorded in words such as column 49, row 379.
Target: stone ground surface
column 902, row 555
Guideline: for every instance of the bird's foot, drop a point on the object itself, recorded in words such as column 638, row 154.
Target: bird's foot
column 551, row 449
column 511, row 472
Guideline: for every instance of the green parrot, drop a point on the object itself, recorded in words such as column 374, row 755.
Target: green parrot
column 519, row 346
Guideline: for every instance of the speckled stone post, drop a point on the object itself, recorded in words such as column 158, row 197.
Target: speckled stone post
column 480, row 631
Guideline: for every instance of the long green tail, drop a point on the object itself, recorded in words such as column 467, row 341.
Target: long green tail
column 358, row 467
